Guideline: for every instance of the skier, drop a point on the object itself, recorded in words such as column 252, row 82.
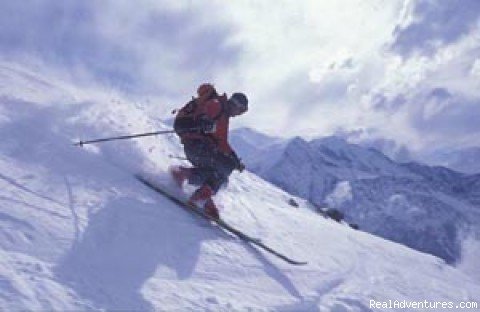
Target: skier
column 202, row 125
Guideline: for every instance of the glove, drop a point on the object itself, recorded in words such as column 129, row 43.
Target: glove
column 238, row 162
column 206, row 124
column 240, row 166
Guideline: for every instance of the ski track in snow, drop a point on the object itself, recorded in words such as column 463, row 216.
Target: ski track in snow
column 79, row 232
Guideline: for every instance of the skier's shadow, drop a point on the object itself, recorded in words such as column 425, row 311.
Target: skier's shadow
column 123, row 245
column 275, row 273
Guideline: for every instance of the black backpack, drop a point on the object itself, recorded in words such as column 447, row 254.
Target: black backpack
column 188, row 120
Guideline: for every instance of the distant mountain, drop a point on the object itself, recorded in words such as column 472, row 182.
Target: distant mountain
column 426, row 208
column 254, row 145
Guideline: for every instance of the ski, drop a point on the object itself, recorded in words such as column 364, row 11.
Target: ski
column 192, row 208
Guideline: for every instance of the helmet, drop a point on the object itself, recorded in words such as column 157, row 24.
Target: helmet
column 206, row 90
column 240, row 101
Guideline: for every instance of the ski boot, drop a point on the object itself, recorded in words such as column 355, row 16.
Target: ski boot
column 211, row 210
column 205, row 194
column 179, row 174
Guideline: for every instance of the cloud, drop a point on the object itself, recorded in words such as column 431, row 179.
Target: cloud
column 138, row 47
column 303, row 57
column 429, row 101
column 370, row 137
column 340, row 195
column 448, row 118
column 475, row 70
column 434, row 24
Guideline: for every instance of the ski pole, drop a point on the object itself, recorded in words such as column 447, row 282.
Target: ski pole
column 123, row 137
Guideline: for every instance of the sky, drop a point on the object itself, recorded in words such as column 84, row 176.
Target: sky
column 402, row 75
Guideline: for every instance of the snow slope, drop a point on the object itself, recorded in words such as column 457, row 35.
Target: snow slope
column 78, row 232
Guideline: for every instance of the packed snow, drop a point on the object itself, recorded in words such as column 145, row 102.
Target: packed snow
column 79, row 232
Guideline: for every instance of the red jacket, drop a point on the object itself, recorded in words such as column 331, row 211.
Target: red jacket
column 214, row 109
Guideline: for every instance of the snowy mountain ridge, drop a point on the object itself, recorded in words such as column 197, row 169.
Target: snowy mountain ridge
column 464, row 160
column 427, row 208
column 78, row 232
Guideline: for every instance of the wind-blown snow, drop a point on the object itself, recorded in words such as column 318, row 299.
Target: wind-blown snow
column 78, row 232
column 341, row 194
